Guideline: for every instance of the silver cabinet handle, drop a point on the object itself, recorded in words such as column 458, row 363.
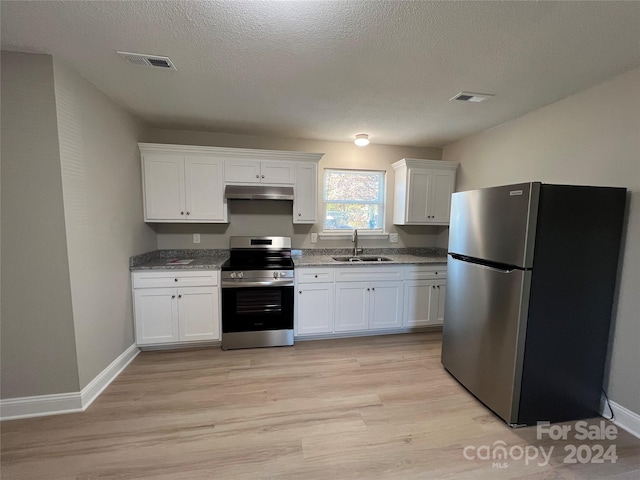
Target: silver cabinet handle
column 257, row 176
column 175, row 279
column 179, row 296
column 181, row 213
column 262, row 176
column 299, row 214
column 173, row 296
column 188, row 213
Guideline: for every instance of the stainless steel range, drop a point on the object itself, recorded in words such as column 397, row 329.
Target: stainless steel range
column 257, row 293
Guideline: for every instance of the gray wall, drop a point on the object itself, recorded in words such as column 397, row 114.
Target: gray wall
column 250, row 218
column 592, row 138
column 103, row 216
column 38, row 342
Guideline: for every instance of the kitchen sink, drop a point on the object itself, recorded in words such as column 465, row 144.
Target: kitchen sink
column 367, row 258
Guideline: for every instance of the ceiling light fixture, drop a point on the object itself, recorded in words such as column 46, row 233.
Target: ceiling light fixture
column 362, row 140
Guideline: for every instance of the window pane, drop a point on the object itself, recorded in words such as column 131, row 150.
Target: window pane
column 352, row 185
column 341, row 216
column 353, row 199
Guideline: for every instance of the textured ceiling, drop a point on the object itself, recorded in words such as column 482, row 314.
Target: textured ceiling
column 327, row 70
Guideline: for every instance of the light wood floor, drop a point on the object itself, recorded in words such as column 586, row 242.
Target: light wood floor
column 363, row 408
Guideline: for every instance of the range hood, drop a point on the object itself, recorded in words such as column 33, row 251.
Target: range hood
column 258, row 192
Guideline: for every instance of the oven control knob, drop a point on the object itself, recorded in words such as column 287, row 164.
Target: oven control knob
column 233, row 275
column 277, row 274
column 240, row 274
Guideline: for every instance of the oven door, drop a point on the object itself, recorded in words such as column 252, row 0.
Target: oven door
column 252, row 309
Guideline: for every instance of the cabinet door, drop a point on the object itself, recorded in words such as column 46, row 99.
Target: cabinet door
column 419, row 298
column 419, row 193
column 438, row 306
column 305, row 193
column 204, row 190
column 163, row 187
column 443, row 185
column 242, row 171
column 198, row 313
column 314, row 309
column 352, row 306
column 156, row 314
column 386, row 305
column 278, row 172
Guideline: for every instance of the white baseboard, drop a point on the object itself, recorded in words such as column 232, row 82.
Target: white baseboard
column 56, row 404
column 625, row 418
column 108, row 375
column 41, row 405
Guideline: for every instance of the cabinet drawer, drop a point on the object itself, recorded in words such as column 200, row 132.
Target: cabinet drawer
column 173, row 278
column 314, row 275
column 368, row 274
column 420, row 272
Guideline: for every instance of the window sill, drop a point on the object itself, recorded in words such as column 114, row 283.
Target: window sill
column 349, row 235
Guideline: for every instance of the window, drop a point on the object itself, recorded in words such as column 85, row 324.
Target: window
column 353, row 199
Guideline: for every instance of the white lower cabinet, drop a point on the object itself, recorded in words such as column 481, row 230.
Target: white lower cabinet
column 368, row 306
column 368, row 299
column 167, row 314
column 352, row 306
column 424, row 296
column 386, row 305
column 314, row 301
column 314, row 309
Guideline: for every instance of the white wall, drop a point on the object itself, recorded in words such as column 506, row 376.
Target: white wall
column 592, row 138
column 103, row 216
column 251, row 218
column 38, row 345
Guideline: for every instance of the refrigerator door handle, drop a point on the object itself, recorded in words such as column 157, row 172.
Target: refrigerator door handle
column 475, row 261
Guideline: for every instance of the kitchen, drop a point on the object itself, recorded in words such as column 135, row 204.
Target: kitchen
column 589, row 137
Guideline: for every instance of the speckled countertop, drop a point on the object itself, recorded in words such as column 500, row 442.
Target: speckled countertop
column 316, row 258
column 204, row 259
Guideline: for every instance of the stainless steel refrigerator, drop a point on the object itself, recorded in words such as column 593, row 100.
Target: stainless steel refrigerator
column 531, row 276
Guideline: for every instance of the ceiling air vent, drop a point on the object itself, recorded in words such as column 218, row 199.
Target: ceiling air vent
column 144, row 60
column 471, row 97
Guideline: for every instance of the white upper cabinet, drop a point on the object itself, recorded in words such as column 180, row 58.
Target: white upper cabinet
column 305, row 201
column 184, row 183
column 252, row 171
column 423, row 191
column 181, row 188
column 163, row 184
column 204, row 191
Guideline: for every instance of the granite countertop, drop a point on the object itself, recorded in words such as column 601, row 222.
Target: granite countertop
column 208, row 259
column 422, row 256
column 202, row 259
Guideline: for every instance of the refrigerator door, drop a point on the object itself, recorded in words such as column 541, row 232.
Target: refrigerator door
column 484, row 330
column 495, row 224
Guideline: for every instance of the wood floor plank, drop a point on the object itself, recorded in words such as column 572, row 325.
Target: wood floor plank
column 357, row 408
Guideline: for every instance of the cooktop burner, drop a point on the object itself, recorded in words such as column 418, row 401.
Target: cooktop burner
column 259, row 253
column 258, row 264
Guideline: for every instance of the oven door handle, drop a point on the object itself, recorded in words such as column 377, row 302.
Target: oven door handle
column 268, row 283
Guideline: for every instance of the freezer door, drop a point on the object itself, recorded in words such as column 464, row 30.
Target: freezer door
column 484, row 330
column 495, row 224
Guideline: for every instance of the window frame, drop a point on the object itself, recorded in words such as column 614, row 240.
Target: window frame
column 381, row 201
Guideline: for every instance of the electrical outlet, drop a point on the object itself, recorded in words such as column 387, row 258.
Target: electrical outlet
column 196, row 238
column 393, row 238
column 314, row 237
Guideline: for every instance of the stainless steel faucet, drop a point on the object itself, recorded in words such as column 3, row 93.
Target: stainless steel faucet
column 354, row 239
